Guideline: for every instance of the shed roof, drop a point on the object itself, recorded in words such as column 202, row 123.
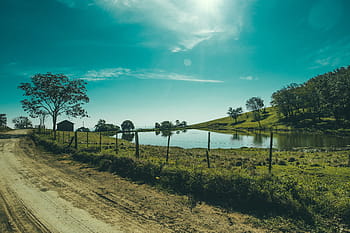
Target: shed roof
column 65, row 121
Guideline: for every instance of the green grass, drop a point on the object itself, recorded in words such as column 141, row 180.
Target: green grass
column 245, row 121
column 272, row 120
column 308, row 191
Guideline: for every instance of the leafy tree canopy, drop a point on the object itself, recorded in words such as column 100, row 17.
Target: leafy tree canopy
column 255, row 104
column 83, row 129
column 326, row 95
column 102, row 126
column 234, row 113
column 127, row 125
column 22, row 122
column 54, row 94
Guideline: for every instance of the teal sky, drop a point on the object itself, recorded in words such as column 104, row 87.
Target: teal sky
column 155, row 60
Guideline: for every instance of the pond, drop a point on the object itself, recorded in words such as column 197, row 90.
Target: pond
column 199, row 139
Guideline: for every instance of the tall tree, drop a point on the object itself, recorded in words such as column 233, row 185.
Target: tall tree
column 3, row 120
column 22, row 122
column 234, row 113
column 255, row 104
column 54, row 94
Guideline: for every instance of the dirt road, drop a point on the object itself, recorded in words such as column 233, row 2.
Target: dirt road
column 41, row 192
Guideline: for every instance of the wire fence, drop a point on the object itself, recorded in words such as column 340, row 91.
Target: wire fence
column 113, row 140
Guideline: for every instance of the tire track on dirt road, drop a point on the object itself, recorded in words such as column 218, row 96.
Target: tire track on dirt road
column 37, row 210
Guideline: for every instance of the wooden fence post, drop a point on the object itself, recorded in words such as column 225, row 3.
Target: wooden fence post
column 116, row 142
column 100, row 141
column 76, row 140
column 349, row 161
column 63, row 137
column 87, row 139
column 167, row 150
column 208, row 141
column 208, row 161
column 137, row 152
column 270, row 154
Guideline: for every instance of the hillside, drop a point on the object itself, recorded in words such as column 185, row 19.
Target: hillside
column 245, row 121
column 271, row 119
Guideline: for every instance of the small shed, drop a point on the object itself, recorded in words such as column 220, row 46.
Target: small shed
column 65, row 126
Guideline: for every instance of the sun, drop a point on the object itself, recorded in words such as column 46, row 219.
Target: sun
column 207, row 5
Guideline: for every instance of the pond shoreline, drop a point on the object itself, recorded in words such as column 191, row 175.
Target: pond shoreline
column 198, row 138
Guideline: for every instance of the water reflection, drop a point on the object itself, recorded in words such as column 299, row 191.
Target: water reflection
column 167, row 133
column 128, row 136
column 199, row 139
column 287, row 141
column 258, row 139
column 236, row 136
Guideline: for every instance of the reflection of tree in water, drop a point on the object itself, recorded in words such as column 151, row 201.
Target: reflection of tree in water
column 166, row 133
column 236, row 136
column 258, row 139
column 128, row 136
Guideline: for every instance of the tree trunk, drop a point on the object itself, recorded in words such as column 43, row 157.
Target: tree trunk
column 54, row 120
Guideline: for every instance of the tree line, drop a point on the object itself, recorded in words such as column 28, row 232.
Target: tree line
column 326, row 95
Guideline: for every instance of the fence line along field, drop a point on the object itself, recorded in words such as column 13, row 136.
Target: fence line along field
column 307, row 189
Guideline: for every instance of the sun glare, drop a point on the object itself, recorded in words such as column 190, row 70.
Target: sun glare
column 207, row 5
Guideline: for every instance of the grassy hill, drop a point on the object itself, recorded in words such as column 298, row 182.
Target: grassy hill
column 271, row 119
column 245, row 121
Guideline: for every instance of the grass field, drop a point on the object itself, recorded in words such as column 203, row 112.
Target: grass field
column 272, row 120
column 307, row 191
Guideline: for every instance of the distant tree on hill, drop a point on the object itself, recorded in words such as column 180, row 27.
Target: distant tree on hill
column 157, row 125
column 234, row 113
column 180, row 124
column 166, row 125
column 127, row 125
column 102, row 126
column 183, row 124
column 83, row 129
column 255, row 104
column 22, row 122
column 54, row 94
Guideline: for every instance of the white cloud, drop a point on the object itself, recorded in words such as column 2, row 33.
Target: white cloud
column 247, row 78
column 109, row 74
column 181, row 24
column 106, row 73
column 93, row 79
